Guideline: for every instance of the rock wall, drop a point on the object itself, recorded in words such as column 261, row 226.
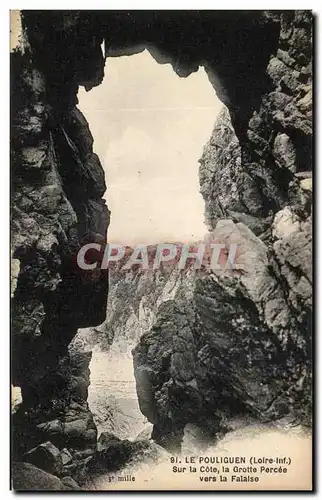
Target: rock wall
column 134, row 297
column 251, row 178
column 230, row 346
column 56, row 207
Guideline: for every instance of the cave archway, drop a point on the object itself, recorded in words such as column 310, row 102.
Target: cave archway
column 149, row 128
column 221, row 41
column 267, row 89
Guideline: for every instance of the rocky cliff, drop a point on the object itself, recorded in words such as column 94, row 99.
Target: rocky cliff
column 230, row 346
column 56, row 207
column 222, row 345
column 133, row 301
column 241, row 346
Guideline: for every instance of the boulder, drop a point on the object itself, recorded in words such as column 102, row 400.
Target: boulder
column 75, row 428
column 285, row 152
column 106, row 440
column 70, row 483
column 220, row 347
column 66, row 457
column 45, row 456
column 113, row 452
column 27, row 477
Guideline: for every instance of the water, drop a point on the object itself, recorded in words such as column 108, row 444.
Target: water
column 270, row 440
column 114, row 404
column 112, row 395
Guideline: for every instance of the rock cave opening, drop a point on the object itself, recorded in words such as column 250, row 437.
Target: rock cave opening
column 255, row 172
column 149, row 128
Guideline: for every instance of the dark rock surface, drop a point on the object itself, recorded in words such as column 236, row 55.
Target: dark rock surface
column 249, row 179
column 27, row 477
column 64, row 421
column 50, row 223
column 47, row 457
column 113, row 453
column 57, row 206
column 229, row 346
column 241, row 345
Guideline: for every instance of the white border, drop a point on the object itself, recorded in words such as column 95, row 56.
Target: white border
column 4, row 184
column 163, row 5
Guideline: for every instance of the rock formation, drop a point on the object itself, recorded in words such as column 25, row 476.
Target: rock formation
column 211, row 344
column 242, row 346
column 229, row 346
column 27, row 477
column 57, row 206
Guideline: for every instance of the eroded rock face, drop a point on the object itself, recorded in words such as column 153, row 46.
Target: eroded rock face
column 27, row 477
column 57, row 206
column 250, row 177
column 59, row 431
column 228, row 346
column 241, row 345
column 134, row 297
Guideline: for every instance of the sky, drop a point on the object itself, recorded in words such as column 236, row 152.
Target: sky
column 149, row 128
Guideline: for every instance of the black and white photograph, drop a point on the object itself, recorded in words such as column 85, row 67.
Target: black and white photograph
column 161, row 166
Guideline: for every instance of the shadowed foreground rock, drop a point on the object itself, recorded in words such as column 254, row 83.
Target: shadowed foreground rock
column 27, row 477
column 229, row 346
